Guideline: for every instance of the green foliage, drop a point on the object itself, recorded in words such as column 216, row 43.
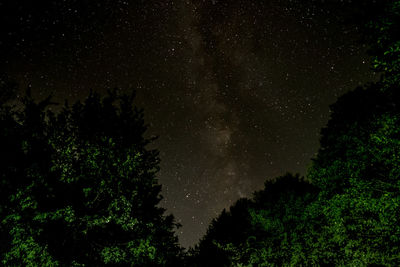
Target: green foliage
column 79, row 187
column 258, row 232
column 360, row 222
column 352, row 219
column 382, row 36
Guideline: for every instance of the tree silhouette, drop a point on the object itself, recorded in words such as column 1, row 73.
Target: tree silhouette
column 233, row 226
column 80, row 188
column 260, row 231
column 356, row 217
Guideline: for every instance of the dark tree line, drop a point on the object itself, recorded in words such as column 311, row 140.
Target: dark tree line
column 79, row 188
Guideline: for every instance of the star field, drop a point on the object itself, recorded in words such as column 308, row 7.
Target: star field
column 237, row 91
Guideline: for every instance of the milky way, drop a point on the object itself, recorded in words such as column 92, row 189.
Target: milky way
column 237, row 91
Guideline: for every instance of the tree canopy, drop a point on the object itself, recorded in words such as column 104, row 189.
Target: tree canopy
column 79, row 187
column 258, row 232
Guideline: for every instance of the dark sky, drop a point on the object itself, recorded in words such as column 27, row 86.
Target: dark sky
column 237, row 90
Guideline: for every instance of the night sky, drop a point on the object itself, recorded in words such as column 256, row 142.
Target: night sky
column 237, row 91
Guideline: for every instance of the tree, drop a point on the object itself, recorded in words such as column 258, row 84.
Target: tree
column 264, row 231
column 382, row 35
column 351, row 123
column 355, row 219
column 82, row 187
column 231, row 226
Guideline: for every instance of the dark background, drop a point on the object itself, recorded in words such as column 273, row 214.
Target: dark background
column 237, row 91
